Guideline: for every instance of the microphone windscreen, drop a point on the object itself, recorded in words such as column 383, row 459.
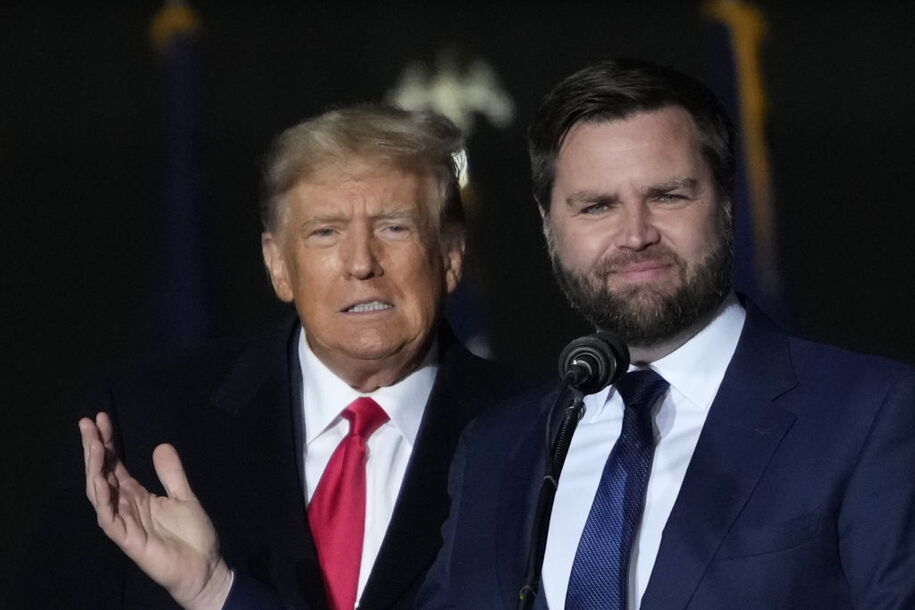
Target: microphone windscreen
column 593, row 362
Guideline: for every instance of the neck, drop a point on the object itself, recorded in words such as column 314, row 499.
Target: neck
column 646, row 354
column 642, row 354
column 365, row 375
column 368, row 379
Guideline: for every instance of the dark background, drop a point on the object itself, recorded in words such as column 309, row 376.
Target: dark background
column 82, row 157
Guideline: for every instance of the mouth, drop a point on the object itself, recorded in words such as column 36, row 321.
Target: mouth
column 367, row 307
column 640, row 267
column 643, row 271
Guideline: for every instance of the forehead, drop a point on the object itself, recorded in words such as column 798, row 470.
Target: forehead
column 358, row 184
column 649, row 144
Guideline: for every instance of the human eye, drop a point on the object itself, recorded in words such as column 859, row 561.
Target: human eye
column 396, row 230
column 321, row 234
column 670, row 197
column 596, row 207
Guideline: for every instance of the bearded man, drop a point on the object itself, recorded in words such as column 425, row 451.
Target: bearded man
column 734, row 465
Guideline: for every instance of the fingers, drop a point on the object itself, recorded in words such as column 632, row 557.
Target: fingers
column 93, row 457
column 104, row 505
column 123, row 514
column 99, row 455
column 171, row 472
column 87, row 432
column 106, row 430
column 121, row 504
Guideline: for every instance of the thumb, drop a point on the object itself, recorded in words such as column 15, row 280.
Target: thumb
column 171, row 472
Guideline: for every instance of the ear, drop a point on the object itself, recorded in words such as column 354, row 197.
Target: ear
column 453, row 261
column 277, row 269
column 544, row 222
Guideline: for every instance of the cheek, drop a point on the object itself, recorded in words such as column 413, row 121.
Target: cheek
column 693, row 235
column 580, row 246
column 312, row 278
column 423, row 287
column 706, row 236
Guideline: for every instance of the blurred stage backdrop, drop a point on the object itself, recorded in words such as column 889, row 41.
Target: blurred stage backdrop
column 131, row 139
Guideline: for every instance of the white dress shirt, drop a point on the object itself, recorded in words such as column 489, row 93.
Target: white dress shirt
column 324, row 396
column 695, row 371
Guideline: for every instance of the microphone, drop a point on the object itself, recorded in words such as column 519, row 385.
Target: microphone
column 587, row 365
column 591, row 363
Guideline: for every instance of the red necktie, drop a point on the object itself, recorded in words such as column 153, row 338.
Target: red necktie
column 336, row 512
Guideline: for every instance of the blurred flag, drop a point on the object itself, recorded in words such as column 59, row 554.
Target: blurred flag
column 736, row 76
column 181, row 311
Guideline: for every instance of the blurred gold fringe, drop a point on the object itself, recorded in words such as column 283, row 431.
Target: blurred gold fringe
column 748, row 27
column 175, row 18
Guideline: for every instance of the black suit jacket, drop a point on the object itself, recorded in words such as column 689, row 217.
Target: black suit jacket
column 229, row 408
column 800, row 493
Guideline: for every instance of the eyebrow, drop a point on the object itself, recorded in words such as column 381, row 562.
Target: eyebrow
column 395, row 214
column 590, row 196
column 392, row 214
column 673, row 185
column 660, row 187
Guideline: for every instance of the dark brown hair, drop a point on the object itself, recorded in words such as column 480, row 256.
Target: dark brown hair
column 615, row 89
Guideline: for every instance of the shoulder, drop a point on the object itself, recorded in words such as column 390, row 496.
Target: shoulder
column 773, row 351
column 523, row 408
column 809, row 356
column 477, row 383
column 836, row 390
column 844, row 372
column 191, row 373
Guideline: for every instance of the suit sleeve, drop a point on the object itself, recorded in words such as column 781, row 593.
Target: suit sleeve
column 249, row 594
column 438, row 589
column 877, row 518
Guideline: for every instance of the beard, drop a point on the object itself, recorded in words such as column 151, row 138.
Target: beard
column 645, row 315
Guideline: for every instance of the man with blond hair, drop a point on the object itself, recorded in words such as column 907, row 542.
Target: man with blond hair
column 321, row 449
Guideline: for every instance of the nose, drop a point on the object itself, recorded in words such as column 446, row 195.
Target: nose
column 638, row 230
column 360, row 257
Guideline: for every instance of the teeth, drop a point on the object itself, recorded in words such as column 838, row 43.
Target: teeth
column 370, row 306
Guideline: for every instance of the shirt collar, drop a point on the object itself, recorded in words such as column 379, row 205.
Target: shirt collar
column 324, row 395
column 697, row 367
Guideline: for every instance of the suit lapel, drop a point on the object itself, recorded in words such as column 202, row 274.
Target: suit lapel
column 524, row 470
column 261, row 394
column 743, row 430
column 413, row 537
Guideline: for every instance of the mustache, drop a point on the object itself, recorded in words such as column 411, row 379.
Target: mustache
column 656, row 254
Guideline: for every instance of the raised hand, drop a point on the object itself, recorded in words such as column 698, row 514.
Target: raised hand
column 169, row 537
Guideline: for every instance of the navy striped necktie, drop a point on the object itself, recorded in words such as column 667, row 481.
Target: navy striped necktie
column 600, row 572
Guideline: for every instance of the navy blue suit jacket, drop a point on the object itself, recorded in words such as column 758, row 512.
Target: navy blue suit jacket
column 800, row 493
column 230, row 409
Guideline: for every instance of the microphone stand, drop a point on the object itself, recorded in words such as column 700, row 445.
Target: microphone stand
column 556, row 457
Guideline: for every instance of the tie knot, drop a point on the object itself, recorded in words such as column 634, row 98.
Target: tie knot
column 364, row 416
column 641, row 389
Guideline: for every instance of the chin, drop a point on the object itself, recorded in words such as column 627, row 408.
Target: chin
column 378, row 341
column 368, row 346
